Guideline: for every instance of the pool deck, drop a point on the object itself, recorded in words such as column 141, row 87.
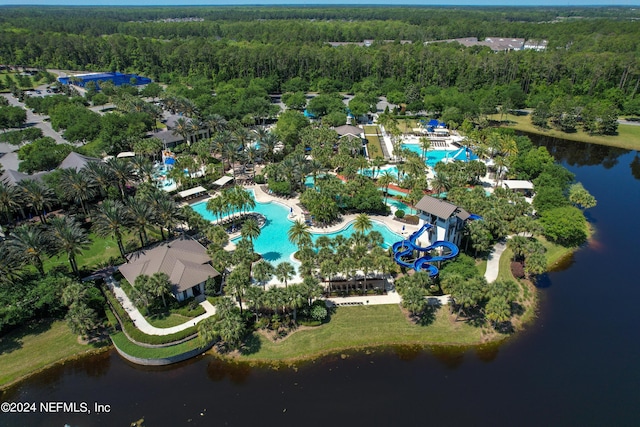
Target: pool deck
column 298, row 214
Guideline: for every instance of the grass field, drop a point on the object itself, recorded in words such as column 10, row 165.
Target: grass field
column 374, row 147
column 100, row 251
column 366, row 326
column 33, row 347
column 628, row 135
column 152, row 353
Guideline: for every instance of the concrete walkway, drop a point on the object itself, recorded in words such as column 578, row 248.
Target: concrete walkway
column 391, row 298
column 493, row 262
column 142, row 324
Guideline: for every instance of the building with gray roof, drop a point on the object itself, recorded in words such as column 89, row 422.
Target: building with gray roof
column 184, row 260
column 77, row 161
column 448, row 220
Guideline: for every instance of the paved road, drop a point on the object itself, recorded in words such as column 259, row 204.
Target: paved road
column 36, row 120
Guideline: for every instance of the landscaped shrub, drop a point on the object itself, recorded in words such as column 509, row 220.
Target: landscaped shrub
column 319, row 311
column 281, row 188
column 139, row 336
column 399, row 213
column 259, row 179
column 517, row 269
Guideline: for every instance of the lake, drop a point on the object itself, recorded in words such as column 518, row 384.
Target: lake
column 576, row 365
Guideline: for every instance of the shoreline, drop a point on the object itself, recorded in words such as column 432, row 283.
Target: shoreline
column 88, row 353
column 628, row 138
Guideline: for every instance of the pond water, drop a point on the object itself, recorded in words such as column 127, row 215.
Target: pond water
column 576, row 365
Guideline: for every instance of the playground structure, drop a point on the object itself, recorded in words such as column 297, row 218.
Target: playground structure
column 405, row 249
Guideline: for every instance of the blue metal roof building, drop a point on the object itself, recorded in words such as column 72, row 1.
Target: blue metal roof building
column 118, row 79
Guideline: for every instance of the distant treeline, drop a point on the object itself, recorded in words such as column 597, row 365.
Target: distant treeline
column 591, row 51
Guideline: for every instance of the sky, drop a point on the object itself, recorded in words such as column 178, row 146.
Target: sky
column 325, row 2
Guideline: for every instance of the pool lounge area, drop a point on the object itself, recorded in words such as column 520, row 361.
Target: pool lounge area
column 273, row 243
column 436, row 156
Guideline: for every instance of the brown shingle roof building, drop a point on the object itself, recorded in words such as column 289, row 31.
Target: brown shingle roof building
column 185, row 261
column 440, row 208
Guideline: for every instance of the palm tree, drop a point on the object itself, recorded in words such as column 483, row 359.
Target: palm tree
column 9, row 266
column 38, row 196
column 252, row 154
column 182, row 129
column 166, row 215
column 299, row 233
column 285, row 271
column 238, row 282
column 100, row 175
column 268, row 144
column 413, row 299
column 76, row 186
column 10, row 200
column 215, row 205
column 112, row 219
column 28, row 243
column 385, row 179
column 160, row 285
column 122, row 172
column 250, row 229
column 244, row 137
column 425, row 144
column 348, row 267
column 67, row 236
column 328, row 269
column 194, row 126
column 440, row 183
column 263, row 272
column 362, row 223
column 141, row 214
column 215, row 123
column 498, row 310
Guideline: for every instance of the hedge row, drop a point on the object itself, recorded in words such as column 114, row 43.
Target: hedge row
column 139, row 336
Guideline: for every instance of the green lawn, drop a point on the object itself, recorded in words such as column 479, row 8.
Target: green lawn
column 555, row 253
column 101, row 250
column 132, row 349
column 374, row 147
column 366, row 326
column 628, row 135
column 505, row 265
column 481, row 265
column 163, row 321
column 33, row 347
column 407, row 125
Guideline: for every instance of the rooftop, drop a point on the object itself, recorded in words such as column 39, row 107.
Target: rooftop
column 440, row 208
column 184, row 260
column 76, row 161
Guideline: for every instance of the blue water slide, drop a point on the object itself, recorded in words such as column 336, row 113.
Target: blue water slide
column 405, row 248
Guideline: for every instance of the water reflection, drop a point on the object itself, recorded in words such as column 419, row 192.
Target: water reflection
column 577, row 153
column 450, row 357
column 218, row 370
column 488, row 352
column 635, row 166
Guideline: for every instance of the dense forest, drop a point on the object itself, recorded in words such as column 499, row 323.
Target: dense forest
column 591, row 52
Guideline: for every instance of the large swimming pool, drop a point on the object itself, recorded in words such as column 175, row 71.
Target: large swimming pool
column 435, row 156
column 273, row 243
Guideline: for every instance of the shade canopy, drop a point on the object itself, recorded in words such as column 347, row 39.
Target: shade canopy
column 192, row 191
column 222, row 181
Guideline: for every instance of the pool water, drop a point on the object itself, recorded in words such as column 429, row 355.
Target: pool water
column 400, row 205
column 393, row 192
column 273, row 243
column 433, row 156
column 393, row 170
